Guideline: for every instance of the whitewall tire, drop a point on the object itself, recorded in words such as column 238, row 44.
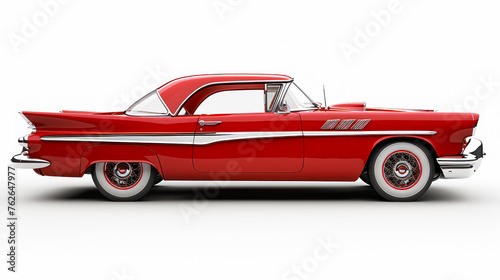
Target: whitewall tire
column 124, row 181
column 401, row 171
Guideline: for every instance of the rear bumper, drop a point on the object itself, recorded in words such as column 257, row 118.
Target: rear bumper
column 24, row 162
column 464, row 165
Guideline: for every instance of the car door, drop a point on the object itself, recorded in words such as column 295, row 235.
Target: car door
column 243, row 141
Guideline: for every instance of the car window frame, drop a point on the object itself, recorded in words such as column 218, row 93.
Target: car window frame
column 285, row 92
column 262, row 91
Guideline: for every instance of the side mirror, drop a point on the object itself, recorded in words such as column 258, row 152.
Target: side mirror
column 283, row 109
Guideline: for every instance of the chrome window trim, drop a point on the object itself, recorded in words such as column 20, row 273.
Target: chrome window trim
column 285, row 91
column 308, row 97
column 265, row 98
column 281, row 85
column 163, row 102
column 281, row 96
column 225, row 83
column 169, row 114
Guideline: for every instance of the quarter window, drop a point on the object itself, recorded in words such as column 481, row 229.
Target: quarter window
column 271, row 94
column 149, row 105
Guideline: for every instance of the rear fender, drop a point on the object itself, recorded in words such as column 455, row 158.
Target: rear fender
column 118, row 152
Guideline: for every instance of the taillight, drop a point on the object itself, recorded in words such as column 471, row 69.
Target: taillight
column 465, row 142
column 23, row 141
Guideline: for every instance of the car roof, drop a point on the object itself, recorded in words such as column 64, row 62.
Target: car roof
column 175, row 92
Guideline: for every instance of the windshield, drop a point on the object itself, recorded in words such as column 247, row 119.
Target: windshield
column 297, row 100
column 149, row 105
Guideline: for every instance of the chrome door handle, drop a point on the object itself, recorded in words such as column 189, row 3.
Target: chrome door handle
column 202, row 122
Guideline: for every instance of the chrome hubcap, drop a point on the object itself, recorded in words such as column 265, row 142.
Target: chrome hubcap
column 122, row 170
column 123, row 175
column 401, row 170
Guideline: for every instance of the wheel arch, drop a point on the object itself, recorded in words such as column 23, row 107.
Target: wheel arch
column 412, row 139
column 126, row 153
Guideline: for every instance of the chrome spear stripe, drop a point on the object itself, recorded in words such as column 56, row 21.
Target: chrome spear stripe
column 344, row 124
column 369, row 133
column 174, row 138
column 209, row 138
column 205, row 138
column 360, row 124
column 330, row 124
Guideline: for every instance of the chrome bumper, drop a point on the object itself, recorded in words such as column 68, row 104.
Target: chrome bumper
column 23, row 161
column 466, row 164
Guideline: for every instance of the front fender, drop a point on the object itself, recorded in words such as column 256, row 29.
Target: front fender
column 119, row 152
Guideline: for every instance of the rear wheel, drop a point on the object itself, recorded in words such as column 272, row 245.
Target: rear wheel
column 401, row 171
column 123, row 181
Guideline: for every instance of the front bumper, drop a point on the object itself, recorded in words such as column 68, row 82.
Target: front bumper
column 464, row 165
column 24, row 162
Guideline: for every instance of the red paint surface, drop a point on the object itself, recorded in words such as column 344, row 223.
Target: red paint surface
column 299, row 158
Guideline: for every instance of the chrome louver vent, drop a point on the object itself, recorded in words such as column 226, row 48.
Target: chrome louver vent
column 330, row 124
column 344, row 124
column 360, row 124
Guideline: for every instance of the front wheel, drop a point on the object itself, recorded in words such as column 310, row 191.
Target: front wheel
column 365, row 178
column 401, row 171
column 123, row 181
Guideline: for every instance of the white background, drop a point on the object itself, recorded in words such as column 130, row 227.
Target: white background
column 103, row 55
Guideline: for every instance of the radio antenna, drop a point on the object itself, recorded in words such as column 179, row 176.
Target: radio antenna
column 324, row 96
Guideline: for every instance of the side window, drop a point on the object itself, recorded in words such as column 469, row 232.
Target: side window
column 233, row 102
column 271, row 94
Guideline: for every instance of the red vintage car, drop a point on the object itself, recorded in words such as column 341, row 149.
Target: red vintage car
column 250, row 127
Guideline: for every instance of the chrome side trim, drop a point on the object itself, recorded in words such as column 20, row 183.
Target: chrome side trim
column 368, row 133
column 23, row 161
column 465, row 164
column 344, row 124
column 210, row 138
column 204, row 138
column 360, row 124
column 225, row 83
column 174, row 138
column 330, row 124
column 181, row 138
